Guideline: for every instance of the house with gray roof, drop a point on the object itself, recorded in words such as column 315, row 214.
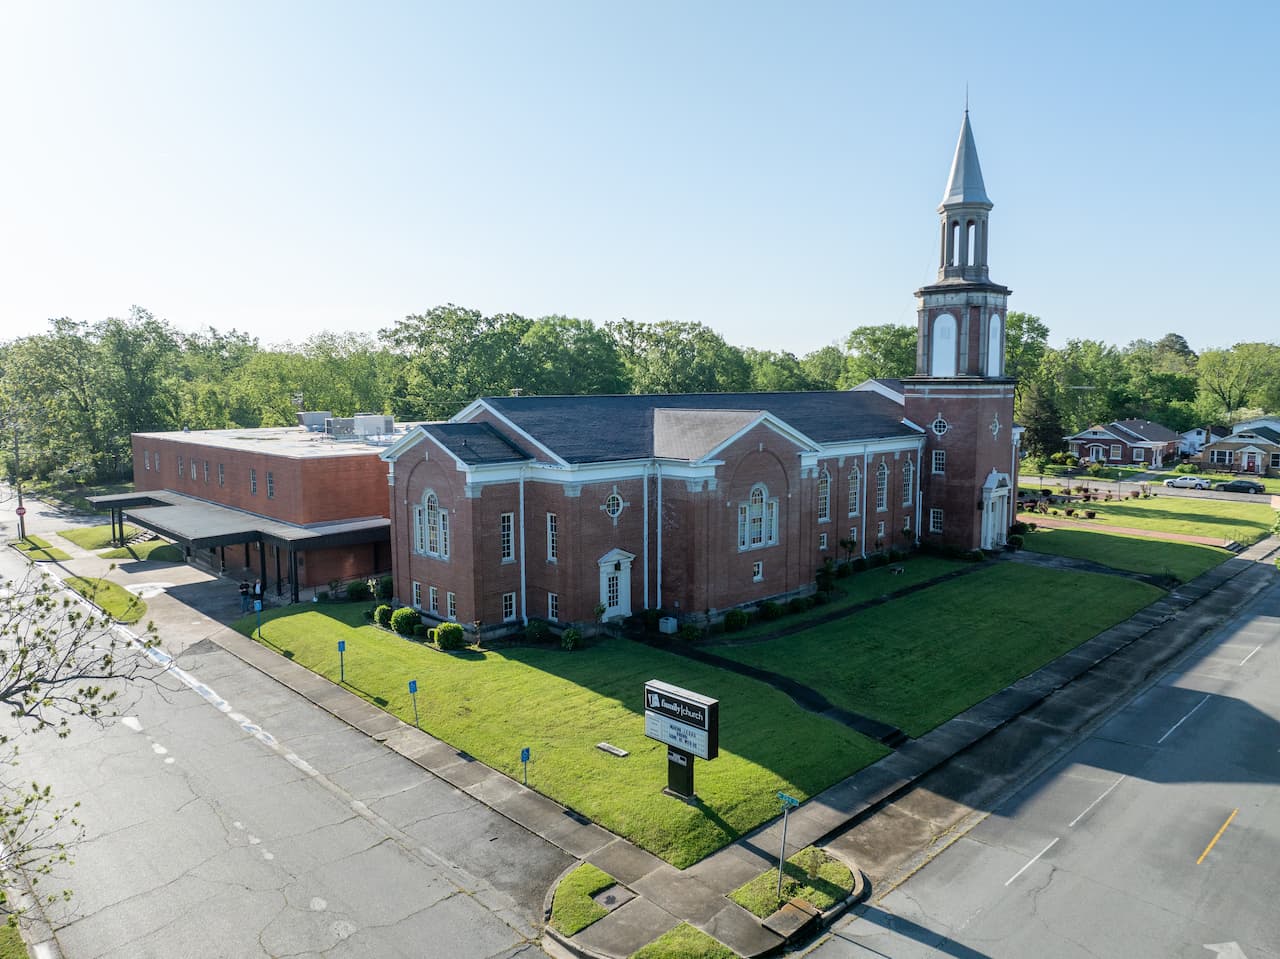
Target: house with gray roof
column 1126, row 443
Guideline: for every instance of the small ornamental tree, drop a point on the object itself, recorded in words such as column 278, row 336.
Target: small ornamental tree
column 450, row 636
column 404, row 619
column 60, row 663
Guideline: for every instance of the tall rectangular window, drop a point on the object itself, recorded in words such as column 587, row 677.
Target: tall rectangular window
column 181, row 467
column 855, row 491
column 1275, row 461
column 420, row 530
column 146, row 459
column 506, row 532
column 553, row 607
column 939, row 461
column 206, row 471
column 451, row 600
column 824, row 496
column 417, row 595
column 253, row 481
column 271, row 485
column 822, row 541
column 757, row 571
column 1115, row 451
column 508, row 607
column 908, row 482
column 433, row 597
column 156, row 457
column 222, row 475
column 935, row 521
column 553, row 537
column 882, row 487
column 193, row 469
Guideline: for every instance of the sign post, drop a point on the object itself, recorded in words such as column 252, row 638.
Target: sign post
column 788, row 803
column 257, row 608
column 688, row 723
column 413, row 691
column 524, row 761
column 342, row 661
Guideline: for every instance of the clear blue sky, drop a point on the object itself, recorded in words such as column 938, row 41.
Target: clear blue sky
column 769, row 170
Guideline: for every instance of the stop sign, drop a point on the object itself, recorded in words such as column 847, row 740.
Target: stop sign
column 21, row 511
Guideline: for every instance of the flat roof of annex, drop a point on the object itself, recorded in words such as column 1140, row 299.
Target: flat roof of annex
column 295, row 442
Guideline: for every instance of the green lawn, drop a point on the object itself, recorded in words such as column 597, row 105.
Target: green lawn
column 810, row 874
column 39, row 550
column 1138, row 554
column 685, row 942
column 560, row 705
column 94, row 537
column 74, row 496
column 120, row 604
column 11, row 944
column 1246, row 523
column 573, row 909
column 915, row 662
column 156, row 550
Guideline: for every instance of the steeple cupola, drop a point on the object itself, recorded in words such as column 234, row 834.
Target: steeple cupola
column 965, row 206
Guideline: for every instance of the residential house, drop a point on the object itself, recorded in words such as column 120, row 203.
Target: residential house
column 1126, row 443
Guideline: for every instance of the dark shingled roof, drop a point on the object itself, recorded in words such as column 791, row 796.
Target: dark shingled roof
column 1148, row 431
column 594, row 429
column 475, row 443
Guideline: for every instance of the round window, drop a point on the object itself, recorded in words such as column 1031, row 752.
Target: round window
column 613, row 505
column 939, row 426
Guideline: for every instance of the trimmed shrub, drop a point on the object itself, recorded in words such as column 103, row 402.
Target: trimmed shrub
column 770, row 611
column 1058, row 458
column 1018, row 527
column 736, row 620
column 404, row 619
column 1015, row 541
column 385, row 587
column 858, row 565
column 1090, row 514
column 800, row 604
column 382, row 615
column 690, row 632
column 358, row 591
column 323, row 595
column 844, row 570
column 974, row 556
column 450, row 636
column 537, row 631
column 1186, row 468
column 570, row 639
column 420, row 630
column 1071, row 461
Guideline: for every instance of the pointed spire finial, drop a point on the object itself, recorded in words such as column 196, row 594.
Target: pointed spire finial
column 965, row 185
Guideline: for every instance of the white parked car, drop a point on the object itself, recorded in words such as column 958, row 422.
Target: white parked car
column 1187, row 482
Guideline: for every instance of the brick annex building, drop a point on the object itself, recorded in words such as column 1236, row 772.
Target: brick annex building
column 555, row 507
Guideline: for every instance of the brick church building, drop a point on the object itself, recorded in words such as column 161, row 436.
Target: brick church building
column 566, row 507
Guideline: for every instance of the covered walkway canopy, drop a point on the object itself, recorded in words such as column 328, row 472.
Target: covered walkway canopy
column 197, row 524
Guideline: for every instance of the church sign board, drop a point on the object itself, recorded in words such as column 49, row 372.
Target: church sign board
column 682, row 719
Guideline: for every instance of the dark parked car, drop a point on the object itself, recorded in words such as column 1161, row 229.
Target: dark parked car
column 1240, row 486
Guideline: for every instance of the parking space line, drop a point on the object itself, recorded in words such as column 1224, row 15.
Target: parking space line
column 1096, row 801
column 1035, row 860
column 1182, row 720
column 1250, row 656
column 1216, row 837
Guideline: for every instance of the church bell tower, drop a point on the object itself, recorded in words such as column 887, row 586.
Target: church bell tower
column 960, row 394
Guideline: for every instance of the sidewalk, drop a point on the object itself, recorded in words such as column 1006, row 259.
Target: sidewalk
column 665, row 896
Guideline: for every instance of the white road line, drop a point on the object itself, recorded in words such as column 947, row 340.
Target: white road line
column 1095, row 802
column 1182, row 720
column 1032, row 862
column 1250, row 656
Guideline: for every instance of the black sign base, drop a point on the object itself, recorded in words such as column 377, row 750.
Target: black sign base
column 679, row 774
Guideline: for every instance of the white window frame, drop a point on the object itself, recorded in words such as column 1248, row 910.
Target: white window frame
column 222, row 474
column 855, row 491
column 939, row 463
column 156, row 456
column 508, row 607
column 433, row 598
column 553, row 607
column 906, row 523
column 553, row 538
column 1275, row 461
column 935, row 520
column 431, row 527
column 271, row 485
column 882, row 487
column 758, row 519
column 204, row 470
column 417, row 595
column 822, row 541
column 507, row 537
column 908, row 482
column 451, row 605
column 1222, row 457
column 880, row 531
column 757, row 571
column 253, row 481
column 146, row 459
column 1117, row 452
column 824, row 496
column 193, row 469
column 1139, row 454
column 181, row 467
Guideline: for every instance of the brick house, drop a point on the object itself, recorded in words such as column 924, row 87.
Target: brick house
column 293, row 506
column 1253, row 447
column 1126, row 442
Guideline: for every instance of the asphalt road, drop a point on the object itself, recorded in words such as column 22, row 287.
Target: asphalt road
column 1157, row 836
column 227, row 817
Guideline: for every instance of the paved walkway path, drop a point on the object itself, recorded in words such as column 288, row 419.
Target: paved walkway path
column 1051, row 523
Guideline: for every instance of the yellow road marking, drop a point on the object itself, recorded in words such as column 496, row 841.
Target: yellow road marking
column 1216, row 837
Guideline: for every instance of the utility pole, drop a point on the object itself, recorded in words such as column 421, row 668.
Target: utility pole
column 17, row 483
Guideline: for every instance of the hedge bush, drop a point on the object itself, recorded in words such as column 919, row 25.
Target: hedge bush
column 1015, row 541
column 800, row 604
column 570, row 639
column 690, row 632
column 358, row 591
column 537, row 631
column 450, row 636
column 735, row 620
column 1186, row 468
column 404, row 619
column 420, row 630
column 382, row 615
column 770, row 611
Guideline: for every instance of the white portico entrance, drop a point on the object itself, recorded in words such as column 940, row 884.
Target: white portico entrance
column 615, row 583
column 996, row 516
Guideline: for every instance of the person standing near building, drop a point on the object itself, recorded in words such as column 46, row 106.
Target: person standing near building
column 257, row 590
column 244, row 596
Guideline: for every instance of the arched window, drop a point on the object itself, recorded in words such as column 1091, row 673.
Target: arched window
column 943, row 357
column 431, row 527
column 855, row 491
column 824, row 495
column 882, row 486
column 995, row 348
column 908, row 482
column 758, row 519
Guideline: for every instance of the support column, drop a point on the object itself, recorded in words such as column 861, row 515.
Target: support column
column 279, row 584
column 262, row 565
column 293, row 575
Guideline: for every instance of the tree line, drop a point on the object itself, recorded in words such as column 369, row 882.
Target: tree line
column 75, row 393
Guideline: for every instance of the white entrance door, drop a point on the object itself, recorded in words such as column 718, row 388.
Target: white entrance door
column 996, row 515
column 615, row 583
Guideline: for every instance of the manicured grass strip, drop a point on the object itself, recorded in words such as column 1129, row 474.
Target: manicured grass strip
column 94, row 537
column 560, row 704
column 11, row 944
column 917, row 661
column 1246, row 523
column 685, row 942
column 118, row 603
column 573, row 908
column 156, row 550
column 810, row 874
column 39, row 550
column 1183, row 561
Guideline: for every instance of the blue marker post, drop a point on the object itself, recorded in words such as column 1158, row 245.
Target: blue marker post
column 788, row 803
column 524, row 759
column 413, row 691
column 257, row 608
column 342, row 661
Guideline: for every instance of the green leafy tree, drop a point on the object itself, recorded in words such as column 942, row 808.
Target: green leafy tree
column 824, row 367
column 777, row 372
column 1043, row 430
column 677, row 357
column 1240, row 377
column 1026, row 338
column 879, row 352
column 562, row 356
